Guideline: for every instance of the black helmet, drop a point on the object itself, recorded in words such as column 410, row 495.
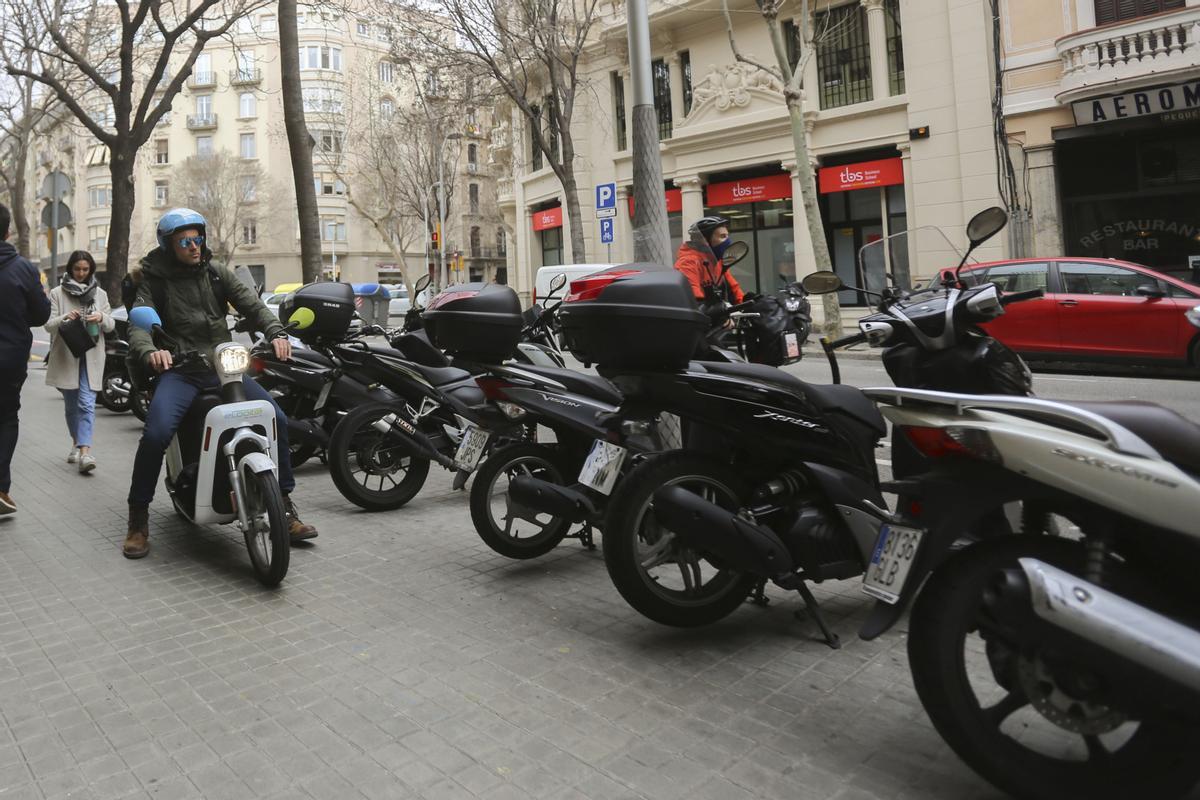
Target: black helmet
column 706, row 225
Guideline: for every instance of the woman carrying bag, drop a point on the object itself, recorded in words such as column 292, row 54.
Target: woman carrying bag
column 80, row 315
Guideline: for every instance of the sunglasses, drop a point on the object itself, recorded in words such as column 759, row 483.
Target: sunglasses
column 188, row 241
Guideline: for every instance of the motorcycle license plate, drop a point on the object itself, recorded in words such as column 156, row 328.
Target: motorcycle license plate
column 470, row 449
column 792, row 344
column 895, row 551
column 602, row 467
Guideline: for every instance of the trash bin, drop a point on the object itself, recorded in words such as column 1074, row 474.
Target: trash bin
column 371, row 302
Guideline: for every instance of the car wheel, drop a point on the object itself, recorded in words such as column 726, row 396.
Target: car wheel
column 1194, row 357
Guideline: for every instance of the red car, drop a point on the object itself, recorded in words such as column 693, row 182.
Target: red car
column 1094, row 309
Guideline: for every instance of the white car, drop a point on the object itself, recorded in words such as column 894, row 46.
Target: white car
column 541, row 284
column 399, row 303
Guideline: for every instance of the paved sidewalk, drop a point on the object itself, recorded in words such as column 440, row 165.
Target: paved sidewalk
column 403, row 658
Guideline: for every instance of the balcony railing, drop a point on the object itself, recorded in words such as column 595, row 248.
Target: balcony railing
column 164, row 120
column 245, row 77
column 201, row 122
column 1154, row 49
column 202, row 80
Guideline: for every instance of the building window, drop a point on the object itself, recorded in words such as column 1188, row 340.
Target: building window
column 433, row 86
column 387, row 108
column 249, row 188
column 386, row 71
column 246, row 65
column 204, row 146
column 329, row 141
column 161, row 193
column 685, row 72
column 202, row 74
column 97, row 237
column 895, row 49
column 333, row 229
column 1117, row 10
column 472, row 156
column 843, row 56
column 552, row 247
column 501, row 243
column 476, row 245
column 321, row 57
column 100, row 197
column 250, row 232
column 362, row 27
column 662, row 97
column 321, row 99
column 473, row 194
column 204, row 112
column 249, row 147
column 247, row 105
column 791, row 42
column 618, row 90
column 535, row 155
column 268, row 24
column 162, row 151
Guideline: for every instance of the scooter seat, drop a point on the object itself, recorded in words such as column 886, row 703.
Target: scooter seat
column 592, row 386
column 1175, row 438
column 826, row 397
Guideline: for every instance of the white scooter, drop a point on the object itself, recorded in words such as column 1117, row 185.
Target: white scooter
column 221, row 464
column 1090, row 639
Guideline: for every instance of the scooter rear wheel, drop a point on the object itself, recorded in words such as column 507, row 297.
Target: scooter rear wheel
column 267, row 540
column 111, row 399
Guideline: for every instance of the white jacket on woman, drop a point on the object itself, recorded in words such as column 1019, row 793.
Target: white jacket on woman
column 63, row 370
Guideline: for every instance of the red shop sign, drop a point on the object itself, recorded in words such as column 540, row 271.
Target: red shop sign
column 674, row 201
column 547, row 218
column 750, row 190
column 863, row 175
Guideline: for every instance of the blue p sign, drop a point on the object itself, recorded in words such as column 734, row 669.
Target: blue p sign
column 606, row 231
column 606, row 195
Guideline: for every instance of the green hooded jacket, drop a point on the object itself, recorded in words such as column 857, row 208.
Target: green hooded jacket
column 192, row 316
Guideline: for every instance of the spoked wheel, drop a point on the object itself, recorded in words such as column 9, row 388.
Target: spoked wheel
column 139, row 403
column 115, row 392
column 372, row 468
column 1036, row 721
column 267, row 540
column 653, row 570
column 509, row 529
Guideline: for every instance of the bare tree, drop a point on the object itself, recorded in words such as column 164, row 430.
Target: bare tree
column 226, row 190
column 300, row 142
column 109, row 64
column 532, row 50
column 811, row 32
column 24, row 109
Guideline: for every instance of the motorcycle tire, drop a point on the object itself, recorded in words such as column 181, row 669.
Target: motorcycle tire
column 139, row 404
column 538, row 461
column 116, row 403
column 1157, row 760
column 628, row 527
column 270, row 549
column 357, row 448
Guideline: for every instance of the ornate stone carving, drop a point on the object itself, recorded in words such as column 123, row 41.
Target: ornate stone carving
column 730, row 86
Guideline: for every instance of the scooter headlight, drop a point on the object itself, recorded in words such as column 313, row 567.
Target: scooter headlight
column 232, row 361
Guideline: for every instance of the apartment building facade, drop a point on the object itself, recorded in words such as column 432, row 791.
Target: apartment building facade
column 900, row 128
column 1102, row 102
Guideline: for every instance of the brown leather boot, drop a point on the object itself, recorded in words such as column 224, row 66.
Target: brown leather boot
column 297, row 530
column 137, row 541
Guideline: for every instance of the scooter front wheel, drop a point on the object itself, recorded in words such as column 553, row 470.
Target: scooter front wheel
column 267, row 539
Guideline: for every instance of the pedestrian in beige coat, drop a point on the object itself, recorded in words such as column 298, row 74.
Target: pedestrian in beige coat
column 78, row 379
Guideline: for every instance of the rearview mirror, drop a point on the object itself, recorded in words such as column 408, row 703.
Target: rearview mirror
column 421, row 284
column 821, row 282
column 559, row 281
column 734, row 253
column 986, row 224
column 1149, row 290
column 144, row 317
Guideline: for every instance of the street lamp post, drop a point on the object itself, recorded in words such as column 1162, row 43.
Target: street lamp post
column 442, row 278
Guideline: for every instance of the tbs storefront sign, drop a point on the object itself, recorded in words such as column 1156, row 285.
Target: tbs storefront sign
column 863, row 175
column 1165, row 100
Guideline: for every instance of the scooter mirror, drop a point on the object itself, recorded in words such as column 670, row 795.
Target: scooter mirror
column 558, row 282
column 734, row 253
column 145, row 318
column 421, row 284
column 302, row 318
column 822, row 282
column 986, row 224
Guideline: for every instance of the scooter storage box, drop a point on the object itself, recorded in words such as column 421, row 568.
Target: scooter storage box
column 480, row 321
column 647, row 320
column 332, row 305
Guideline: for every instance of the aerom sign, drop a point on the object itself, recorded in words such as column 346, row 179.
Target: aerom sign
column 1150, row 102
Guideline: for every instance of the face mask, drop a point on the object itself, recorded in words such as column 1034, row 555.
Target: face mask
column 719, row 249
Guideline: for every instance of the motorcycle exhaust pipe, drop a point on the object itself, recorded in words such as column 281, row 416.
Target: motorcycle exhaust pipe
column 550, row 498
column 416, row 443
column 707, row 527
column 1134, row 632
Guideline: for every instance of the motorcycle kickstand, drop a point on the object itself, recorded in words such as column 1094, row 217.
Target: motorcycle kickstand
column 585, row 537
column 814, row 611
column 758, row 595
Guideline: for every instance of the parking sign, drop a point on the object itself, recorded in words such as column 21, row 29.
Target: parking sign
column 606, row 195
column 606, row 231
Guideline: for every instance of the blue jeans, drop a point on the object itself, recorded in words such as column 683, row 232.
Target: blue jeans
column 81, row 408
column 173, row 396
column 11, row 380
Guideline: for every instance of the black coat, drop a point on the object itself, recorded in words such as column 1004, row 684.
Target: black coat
column 23, row 305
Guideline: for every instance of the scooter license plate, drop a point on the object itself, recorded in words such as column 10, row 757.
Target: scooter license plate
column 602, row 466
column 792, row 344
column 470, row 449
column 895, row 551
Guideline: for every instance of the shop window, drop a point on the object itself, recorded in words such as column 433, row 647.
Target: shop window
column 552, row 247
column 895, row 49
column 1108, row 11
column 685, row 73
column 766, row 228
column 661, row 75
column 618, row 90
column 843, row 56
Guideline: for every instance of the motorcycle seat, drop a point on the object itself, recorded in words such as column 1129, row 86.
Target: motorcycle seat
column 417, row 347
column 827, row 397
column 441, row 376
column 592, row 386
column 1175, row 438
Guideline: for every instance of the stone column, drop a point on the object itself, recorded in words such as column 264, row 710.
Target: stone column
column 692, row 194
column 674, row 66
column 1043, row 187
column 877, row 31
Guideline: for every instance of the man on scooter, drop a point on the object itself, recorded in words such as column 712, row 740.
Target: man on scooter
column 699, row 259
column 191, row 295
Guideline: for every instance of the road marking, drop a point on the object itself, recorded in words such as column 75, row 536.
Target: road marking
column 1070, row 380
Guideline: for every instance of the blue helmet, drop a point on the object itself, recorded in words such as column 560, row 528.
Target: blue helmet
column 176, row 220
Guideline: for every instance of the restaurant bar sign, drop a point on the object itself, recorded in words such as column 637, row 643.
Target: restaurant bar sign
column 1166, row 101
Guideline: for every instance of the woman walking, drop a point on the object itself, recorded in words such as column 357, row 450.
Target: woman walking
column 79, row 378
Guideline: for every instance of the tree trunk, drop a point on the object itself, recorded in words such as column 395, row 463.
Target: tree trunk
column 20, row 211
column 571, row 196
column 300, row 143
column 812, row 214
column 117, row 255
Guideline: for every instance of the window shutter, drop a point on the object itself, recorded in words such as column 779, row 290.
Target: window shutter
column 1106, row 11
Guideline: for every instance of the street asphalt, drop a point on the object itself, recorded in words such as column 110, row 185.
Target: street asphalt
column 403, row 658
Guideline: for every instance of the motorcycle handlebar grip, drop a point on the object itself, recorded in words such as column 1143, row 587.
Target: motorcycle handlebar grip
column 846, row 341
column 1016, row 297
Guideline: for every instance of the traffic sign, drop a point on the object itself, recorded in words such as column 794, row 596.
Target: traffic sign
column 606, row 195
column 605, row 213
column 64, row 215
column 606, row 231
